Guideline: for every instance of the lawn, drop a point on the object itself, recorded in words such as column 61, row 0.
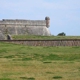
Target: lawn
column 24, row 37
column 19, row 62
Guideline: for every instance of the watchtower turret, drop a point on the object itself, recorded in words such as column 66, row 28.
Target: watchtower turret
column 47, row 21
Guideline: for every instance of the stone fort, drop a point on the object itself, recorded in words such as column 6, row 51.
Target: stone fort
column 28, row 27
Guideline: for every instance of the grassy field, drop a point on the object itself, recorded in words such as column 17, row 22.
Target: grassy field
column 24, row 37
column 19, row 62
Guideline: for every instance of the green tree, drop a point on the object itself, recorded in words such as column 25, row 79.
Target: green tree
column 61, row 34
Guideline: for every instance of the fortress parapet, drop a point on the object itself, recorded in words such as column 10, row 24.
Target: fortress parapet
column 21, row 26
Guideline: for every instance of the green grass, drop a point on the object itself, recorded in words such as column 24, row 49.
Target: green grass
column 5, row 79
column 19, row 62
column 33, row 37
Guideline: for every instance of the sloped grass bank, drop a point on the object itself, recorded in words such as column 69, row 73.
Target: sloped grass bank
column 19, row 62
column 33, row 37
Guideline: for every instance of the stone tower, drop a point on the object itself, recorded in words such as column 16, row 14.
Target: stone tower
column 47, row 22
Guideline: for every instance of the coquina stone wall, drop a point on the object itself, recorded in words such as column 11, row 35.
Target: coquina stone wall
column 67, row 42
column 31, row 27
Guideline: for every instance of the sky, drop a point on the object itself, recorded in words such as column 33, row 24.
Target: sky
column 64, row 14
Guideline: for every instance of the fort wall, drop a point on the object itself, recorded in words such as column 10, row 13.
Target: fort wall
column 23, row 22
column 31, row 27
column 62, row 42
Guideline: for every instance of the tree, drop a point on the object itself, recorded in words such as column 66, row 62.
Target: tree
column 61, row 34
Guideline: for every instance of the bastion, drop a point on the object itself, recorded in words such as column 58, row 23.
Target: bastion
column 28, row 27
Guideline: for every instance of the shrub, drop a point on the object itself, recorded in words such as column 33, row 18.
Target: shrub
column 62, row 34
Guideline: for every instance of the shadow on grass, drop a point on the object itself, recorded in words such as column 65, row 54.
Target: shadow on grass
column 25, row 78
column 47, row 62
column 26, row 59
column 57, row 77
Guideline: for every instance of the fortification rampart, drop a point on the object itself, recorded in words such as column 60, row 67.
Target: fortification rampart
column 24, row 22
column 31, row 27
column 62, row 42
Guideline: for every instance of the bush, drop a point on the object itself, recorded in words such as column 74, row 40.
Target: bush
column 62, row 34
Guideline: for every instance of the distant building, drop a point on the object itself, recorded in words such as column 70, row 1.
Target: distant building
column 21, row 27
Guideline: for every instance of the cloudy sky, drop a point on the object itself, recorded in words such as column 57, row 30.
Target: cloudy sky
column 64, row 14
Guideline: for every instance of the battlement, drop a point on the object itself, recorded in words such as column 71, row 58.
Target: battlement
column 25, row 22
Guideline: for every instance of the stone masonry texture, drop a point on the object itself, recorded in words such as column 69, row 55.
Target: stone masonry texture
column 21, row 27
